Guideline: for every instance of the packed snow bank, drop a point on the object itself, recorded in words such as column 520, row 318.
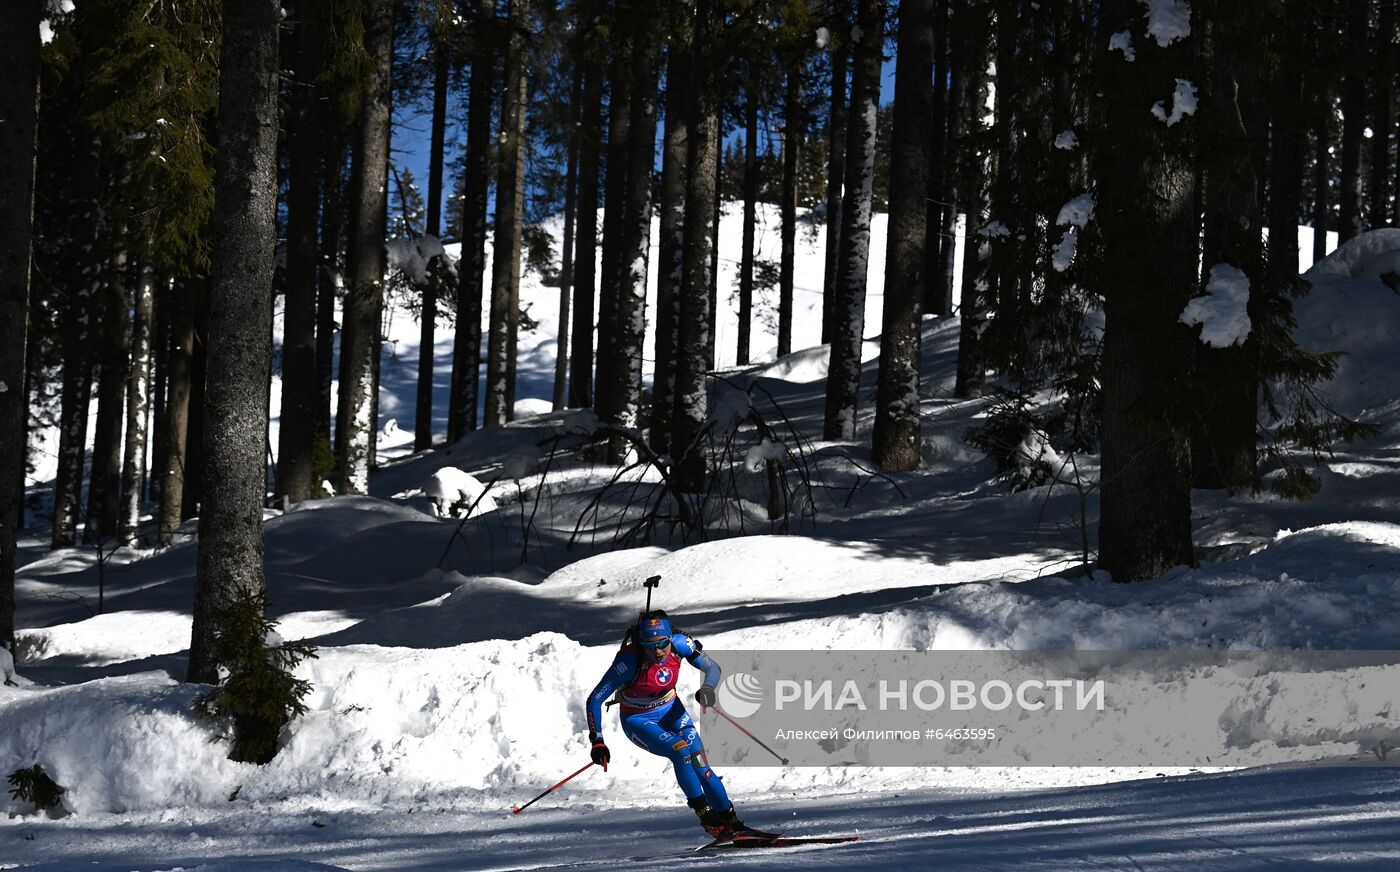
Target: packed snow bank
column 478, row 725
column 1354, row 308
column 383, row 724
column 1372, row 255
column 122, row 637
column 355, row 555
column 457, row 494
column 756, row 570
column 809, row 364
column 116, row 744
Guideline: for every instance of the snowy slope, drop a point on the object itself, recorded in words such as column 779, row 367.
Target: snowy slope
column 451, row 672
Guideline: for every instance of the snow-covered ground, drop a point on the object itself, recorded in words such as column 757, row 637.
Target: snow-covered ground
column 452, row 669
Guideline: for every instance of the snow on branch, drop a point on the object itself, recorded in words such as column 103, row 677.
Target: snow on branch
column 1167, row 20
column 1183, row 103
column 1223, row 311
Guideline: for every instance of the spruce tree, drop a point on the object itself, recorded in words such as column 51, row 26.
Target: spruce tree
column 364, row 301
column 630, row 300
column 1350, row 199
column 19, row 68
column 466, row 348
column 296, row 450
column 504, row 319
column 848, row 310
column 694, row 336
column 895, row 442
column 670, row 246
column 177, row 409
column 427, row 335
column 838, row 28
column 586, row 232
column 230, row 561
column 138, row 402
column 972, row 18
column 1231, row 122
column 1145, row 172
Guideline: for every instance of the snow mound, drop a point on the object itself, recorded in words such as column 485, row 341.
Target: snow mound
column 117, row 744
column 809, row 365
column 8, row 676
column 456, row 494
column 1351, row 309
column 102, row 640
column 755, row 571
column 1371, row 255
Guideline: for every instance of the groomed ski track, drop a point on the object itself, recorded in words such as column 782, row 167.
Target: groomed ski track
column 1304, row 817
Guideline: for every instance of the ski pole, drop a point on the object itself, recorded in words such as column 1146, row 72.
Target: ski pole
column 726, row 716
column 519, row 808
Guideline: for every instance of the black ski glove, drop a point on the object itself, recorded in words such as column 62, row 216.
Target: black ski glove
column 705, row 696
column 600, row 754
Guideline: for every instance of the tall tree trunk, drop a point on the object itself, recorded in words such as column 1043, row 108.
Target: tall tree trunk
column 1004, row 272
column 296, row 450
column 19, row 69
column 1223, row 449
column 1322, row 183
column 160, row 386
column 137, row 406
column 750, row 216
column 364, row 299
column 586, row 242
column 835, row 159
column 1065, row 97
column 510, row 203
column 73, row 421
column 848, row 312
column 194, row 436
column 427, row 335
column 937, row 289
column 1382, row 129
column 34, row 348
column 952, row 181
column 104, row 483
column 466, row 346
column 620, row 88
column 566, row 266
column 712, row 329
column 175, row 422
column 794, row 123
column 512, row 350
column 693, row 339
column 670, row 247
column 240, row 308
column 631, row 299
column 1286, row 147
column 1351, row 221
column 1149, row 230
column 970, row 55
column 332, row 229
column 895, row 442
column 78, row 361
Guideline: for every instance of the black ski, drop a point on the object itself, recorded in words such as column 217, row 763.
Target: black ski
column 779, row 841
column 748, row 835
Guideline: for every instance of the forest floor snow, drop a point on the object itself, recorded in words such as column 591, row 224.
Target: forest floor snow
column 454, row 658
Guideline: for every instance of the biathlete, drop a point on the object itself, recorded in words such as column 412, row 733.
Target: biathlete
column 645, row 670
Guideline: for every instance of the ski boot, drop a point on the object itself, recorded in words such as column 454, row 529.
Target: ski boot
column 724, row 825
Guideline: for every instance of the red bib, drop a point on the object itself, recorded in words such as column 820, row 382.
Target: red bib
column 655, row 683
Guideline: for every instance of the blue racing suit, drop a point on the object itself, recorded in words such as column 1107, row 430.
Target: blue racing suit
column 653, row 716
